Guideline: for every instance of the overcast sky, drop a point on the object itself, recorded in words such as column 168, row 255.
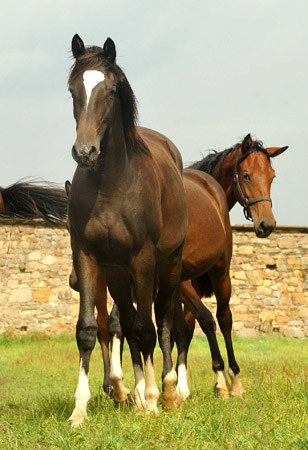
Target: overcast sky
column 205, row 74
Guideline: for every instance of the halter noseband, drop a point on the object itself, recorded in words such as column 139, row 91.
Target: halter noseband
column 246, row 202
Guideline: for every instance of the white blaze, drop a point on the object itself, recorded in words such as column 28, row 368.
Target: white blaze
column 91, row 78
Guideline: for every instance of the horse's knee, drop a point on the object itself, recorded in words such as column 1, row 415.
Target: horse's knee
column 86, row 332
column 145, row 335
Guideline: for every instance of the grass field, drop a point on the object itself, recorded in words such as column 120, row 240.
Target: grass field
column 38, row 376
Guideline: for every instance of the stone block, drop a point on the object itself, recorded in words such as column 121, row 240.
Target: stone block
column 49, row 260
column 255, row 277
column 245, row 250
column 286, row 242
column 282, row 319
column 266, row 327
column 40, row 295
column 241, row 275
column 298, row 298
column 267, row 315
column 20, row 296
column 36, row 255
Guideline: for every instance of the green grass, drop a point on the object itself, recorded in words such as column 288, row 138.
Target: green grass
column 38, row 376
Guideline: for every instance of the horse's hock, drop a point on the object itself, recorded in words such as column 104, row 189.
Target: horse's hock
column 269, row 280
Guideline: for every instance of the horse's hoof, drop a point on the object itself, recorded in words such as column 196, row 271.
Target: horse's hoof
column 125, row 399
column 220, row 392
column 76, row 422
column 109, row 390
column 172, row 403
column 237, row 392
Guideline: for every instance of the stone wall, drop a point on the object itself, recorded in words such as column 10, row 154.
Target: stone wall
column 269, row 280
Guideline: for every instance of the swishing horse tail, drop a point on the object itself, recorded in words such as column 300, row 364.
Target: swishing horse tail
column 203, row 285
column 35, row 199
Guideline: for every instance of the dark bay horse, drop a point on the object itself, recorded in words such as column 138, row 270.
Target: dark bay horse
column 246, row 175
column 127, row 220
column 34, row 199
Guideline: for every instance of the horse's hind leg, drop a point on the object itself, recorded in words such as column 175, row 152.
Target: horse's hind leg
column 168, row 295
column 222, row 288
column 120, row 393
column 86, row 331
column 119, row 285
column 102, row 329
column 192, row 301
column 183, row 332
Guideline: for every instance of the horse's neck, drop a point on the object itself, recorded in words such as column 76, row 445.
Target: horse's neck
column 226, row 178
column 114, row 163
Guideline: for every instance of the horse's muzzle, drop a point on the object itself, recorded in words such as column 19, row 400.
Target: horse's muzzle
column 85, row 155
column 263, row 230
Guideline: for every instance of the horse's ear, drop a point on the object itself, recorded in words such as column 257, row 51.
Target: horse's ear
column 275, row 151
column 67, row 187
column 109, row 50
column 77, row 46
column 246, row 144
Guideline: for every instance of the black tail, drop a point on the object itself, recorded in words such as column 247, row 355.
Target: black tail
column 203, row 286
column 35, row 199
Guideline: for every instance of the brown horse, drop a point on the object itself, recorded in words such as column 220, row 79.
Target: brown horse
column 246, row 175
column 127, row 220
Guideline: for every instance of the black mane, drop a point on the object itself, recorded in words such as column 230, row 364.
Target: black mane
column 209, row 162
column 93, row 59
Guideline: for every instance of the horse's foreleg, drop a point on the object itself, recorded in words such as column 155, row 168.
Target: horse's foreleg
column 224, row 317
column 206, row 321
column 86, row 331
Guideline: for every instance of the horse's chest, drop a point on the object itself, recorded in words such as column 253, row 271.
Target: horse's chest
column 111, row 239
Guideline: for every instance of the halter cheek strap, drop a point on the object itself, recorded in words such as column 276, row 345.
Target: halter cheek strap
column 245, row 201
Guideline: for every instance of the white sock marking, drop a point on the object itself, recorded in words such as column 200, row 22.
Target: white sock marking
column 182, row 386
column 116, row 372
column 91, row 78
column 82, row 394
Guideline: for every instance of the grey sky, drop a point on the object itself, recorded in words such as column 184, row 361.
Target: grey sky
column 205, row 73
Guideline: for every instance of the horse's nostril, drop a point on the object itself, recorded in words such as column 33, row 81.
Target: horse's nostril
column 92, row 150
column 263, row 226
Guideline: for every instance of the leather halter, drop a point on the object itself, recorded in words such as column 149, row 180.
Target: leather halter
column 245, row 201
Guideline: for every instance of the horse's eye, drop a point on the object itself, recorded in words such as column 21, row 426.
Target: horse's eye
column 112, row 92
column 246, row 177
